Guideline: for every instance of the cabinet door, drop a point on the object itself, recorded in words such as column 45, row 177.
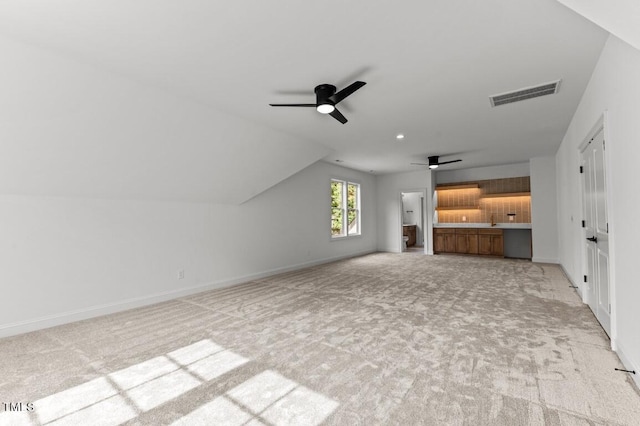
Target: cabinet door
column 438, row 243
column 461, row 244
column 472, row 244
column 497, row 246
column 450, row 243
column 412, row 236
column 484, row 244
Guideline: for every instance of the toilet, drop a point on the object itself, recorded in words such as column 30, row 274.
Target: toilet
column 405, row 238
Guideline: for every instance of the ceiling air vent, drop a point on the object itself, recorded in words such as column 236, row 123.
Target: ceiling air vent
column 526, row 93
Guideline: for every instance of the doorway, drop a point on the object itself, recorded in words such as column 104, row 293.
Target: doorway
column 412, row 221
column 596, row 228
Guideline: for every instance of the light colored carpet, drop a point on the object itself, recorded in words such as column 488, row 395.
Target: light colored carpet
column 384, row 339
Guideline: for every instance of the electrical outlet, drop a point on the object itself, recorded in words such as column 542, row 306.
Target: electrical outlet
column 180, row 274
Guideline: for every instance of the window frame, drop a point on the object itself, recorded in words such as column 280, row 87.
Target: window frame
column 345, row 210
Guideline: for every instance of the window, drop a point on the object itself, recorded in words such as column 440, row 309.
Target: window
column 345, row 208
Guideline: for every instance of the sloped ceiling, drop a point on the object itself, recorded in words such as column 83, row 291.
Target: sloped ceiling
column 68, row 129
column 619, row 17
column 166, row 99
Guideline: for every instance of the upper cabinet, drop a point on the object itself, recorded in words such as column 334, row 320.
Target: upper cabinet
column 486, row 201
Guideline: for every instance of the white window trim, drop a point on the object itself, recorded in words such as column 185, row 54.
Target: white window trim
column 346, row 183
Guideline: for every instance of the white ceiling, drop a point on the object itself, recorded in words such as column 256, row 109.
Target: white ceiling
column 430, row 68
column 619, row 17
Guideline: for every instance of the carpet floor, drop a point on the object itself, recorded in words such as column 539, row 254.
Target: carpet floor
column 383, row 339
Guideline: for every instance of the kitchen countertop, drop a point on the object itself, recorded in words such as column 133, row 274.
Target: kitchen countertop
column 483, row 225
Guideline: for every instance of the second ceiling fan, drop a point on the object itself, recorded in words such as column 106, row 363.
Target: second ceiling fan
column 327, row 98
column 434, row 162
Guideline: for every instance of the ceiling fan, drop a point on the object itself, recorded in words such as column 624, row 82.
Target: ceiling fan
column 327, row 99
column 434, row 162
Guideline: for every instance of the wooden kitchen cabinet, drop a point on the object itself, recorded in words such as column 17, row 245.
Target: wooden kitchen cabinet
column 444, row 240
column 490, row 242
column 468, row 241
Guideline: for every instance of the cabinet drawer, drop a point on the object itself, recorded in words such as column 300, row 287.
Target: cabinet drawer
column 444, row 230
column 488, row 231
column 466, row 231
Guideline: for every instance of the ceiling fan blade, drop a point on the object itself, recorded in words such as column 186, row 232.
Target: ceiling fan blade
column 447, row 162
column 293, row 105
column 338, row 97
column 338, row 116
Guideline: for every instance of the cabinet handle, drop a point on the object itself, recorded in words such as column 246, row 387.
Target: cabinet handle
column 594, row 239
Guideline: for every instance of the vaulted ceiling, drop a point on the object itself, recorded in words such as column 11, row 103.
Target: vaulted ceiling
column 169, row 100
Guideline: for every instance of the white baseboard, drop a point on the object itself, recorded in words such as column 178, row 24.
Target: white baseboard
column 573, row 283
column 40, row 323
column 544, row 260
column 389, row 250
column 628, row 364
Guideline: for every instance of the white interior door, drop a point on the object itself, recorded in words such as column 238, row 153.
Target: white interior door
column 596, row 230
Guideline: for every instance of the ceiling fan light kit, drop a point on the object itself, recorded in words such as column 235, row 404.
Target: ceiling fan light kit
column 325, row 108
column 327, row 99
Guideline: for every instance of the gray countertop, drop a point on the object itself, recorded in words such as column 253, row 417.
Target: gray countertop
column 483, row 225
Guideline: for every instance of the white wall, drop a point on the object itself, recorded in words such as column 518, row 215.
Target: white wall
column 544, row 214
column 615, row 88
column 482, row 173
column 389, row 188
column 63, row 259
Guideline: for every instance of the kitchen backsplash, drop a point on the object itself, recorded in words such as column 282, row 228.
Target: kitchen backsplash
column 485, row 206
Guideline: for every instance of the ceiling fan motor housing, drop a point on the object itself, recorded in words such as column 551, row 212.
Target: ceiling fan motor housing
column 324, row 93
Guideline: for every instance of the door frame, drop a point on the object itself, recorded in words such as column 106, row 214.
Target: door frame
column 422, row 191
column 601, row 123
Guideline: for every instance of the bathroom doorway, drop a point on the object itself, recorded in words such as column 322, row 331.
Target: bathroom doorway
column 413, row 220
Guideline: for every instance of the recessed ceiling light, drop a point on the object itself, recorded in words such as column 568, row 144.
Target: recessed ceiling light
column 399, row 136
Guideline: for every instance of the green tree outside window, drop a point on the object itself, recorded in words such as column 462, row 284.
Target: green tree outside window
column 345, row 202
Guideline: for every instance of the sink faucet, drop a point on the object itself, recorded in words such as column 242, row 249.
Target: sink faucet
column 493, row 222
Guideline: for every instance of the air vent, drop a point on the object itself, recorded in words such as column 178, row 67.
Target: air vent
column 526, row 93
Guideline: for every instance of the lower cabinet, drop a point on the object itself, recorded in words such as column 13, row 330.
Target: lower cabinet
column 487, row 241
column 444, row 240
column 467, row 241
column 490, row 241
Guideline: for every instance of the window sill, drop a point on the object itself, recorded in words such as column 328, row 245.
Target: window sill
column 345, row 237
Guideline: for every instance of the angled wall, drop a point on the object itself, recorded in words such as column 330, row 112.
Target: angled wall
column 614, row 89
